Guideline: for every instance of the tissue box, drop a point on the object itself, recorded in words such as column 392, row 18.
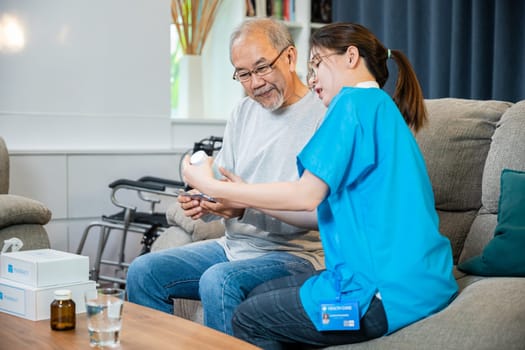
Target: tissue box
column 44, row 267
column 34, row 303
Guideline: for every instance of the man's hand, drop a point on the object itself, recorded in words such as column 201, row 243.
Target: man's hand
column 190, row 206
column 196, row 208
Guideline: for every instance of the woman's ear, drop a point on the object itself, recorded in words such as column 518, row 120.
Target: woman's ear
column 352, row 54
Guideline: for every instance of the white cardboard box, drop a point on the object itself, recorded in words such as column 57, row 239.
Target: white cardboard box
column 35, row 303
column 44, row 267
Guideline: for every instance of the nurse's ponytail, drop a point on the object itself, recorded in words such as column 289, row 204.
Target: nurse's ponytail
column 407, row 95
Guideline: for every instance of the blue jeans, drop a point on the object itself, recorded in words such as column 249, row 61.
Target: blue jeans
column 273, row 318
column 202, row 271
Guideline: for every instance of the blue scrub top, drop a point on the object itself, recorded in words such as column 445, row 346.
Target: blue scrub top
column 378, row 223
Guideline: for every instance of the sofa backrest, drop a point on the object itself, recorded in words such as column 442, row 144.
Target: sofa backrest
column 455, row 144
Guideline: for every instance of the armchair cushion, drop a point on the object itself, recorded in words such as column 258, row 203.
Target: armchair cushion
column 15, row 210
column 503, row 256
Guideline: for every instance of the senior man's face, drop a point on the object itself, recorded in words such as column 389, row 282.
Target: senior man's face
column 253, row 52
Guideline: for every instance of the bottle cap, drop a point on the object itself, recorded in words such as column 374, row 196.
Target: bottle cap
column 62, row 294
column 198, row 157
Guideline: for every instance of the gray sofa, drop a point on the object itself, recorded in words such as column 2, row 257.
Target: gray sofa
column 466, row 145
column 20, row 217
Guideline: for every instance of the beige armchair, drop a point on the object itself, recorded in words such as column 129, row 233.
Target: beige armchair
column 20, row 217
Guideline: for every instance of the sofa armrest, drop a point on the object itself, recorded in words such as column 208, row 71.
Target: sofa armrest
column 17, row 210
column 33, row 236
column 199, row 230
column 173, row 237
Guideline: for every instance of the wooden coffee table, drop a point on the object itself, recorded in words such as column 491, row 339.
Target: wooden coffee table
column 142, row 328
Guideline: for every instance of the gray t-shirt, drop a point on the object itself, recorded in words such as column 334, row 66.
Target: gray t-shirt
column 261, row 146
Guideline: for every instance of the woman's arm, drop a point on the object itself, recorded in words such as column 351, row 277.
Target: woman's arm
column 304, row 194
column 303, row 219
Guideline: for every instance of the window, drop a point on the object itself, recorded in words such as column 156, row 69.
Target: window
column 175, row 55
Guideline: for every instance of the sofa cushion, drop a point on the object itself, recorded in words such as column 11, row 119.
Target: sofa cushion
column 16, row 210
column 455, row 144
column 507, row 150
column 503, row 256
column 487, row 314
column 455, row 225
column 480, row 234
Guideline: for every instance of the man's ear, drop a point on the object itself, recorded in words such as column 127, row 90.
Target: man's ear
column 291, row 56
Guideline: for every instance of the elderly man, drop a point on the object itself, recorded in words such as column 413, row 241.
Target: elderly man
column 262, row 138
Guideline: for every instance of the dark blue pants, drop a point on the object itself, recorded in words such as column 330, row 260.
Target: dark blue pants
column 272, row 317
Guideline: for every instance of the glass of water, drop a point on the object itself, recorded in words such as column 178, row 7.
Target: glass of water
column 104, row 316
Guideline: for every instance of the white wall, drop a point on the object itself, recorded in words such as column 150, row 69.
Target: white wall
column 91, row 74
column 86, row 100
column 93, row 69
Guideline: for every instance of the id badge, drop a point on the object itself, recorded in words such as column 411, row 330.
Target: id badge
column 339, row 316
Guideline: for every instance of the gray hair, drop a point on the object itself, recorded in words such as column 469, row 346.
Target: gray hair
column 276, row 31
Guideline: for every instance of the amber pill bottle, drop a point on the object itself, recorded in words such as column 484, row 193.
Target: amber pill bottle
column 63, row 314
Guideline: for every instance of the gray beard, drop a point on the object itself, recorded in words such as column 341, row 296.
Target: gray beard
column 275, row 105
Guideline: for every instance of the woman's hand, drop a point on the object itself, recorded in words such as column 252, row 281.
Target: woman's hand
column 197, row 176
column 229, row 176
column 201, row 177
